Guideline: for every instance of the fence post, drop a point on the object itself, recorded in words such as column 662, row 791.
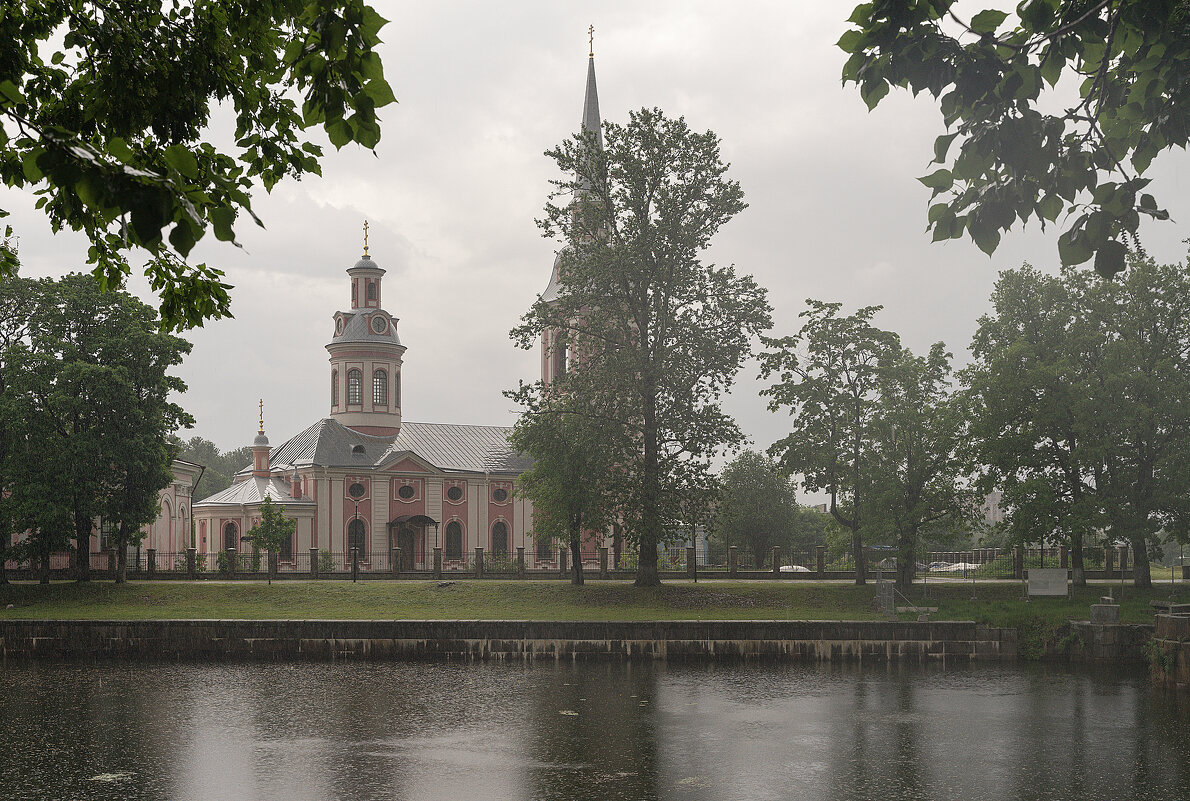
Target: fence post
column 231, row 561
column 820, row 560
column 438, row 562
column 562, row 554
column 478, row 562
column 314, row 562
column 732, row 555
column 152, row 556
column 1018, row 562
column 691, row 562
column 192, row 563
column 396, row 565
column 1109, row 561
column 776, row 560
column 603, row 561
column 520, row 561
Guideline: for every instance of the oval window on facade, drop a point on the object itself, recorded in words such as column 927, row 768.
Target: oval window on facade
column 454, row 493
column 406, row 492
column 500, row 495
column 357, row 490
column 379, row 324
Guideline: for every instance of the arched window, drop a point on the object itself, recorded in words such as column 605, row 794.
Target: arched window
column 371, row 290
column 500, row 538
column 397, row 390
column 356, row 538
column 544, row 550
column 380, row 388
column 454, row 541
column 334, row 387
column 286, row 551
column 354, row 294
column 231, row 536
column 355, row 387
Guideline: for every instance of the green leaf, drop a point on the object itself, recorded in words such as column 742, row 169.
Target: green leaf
column 873, row 92
column 338, row 132
column 10, row 95
column 1110, row 258
column 939, row 180
column 941, row 145
column 1073, row 247
column 222, row 218
column 1050, row 206
column 988, row 21
column 181, row 159
column 849, row 42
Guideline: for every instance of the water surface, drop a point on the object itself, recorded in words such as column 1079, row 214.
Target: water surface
column 589, row 731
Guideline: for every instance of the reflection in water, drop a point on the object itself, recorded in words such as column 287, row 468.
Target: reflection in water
column 449, row 731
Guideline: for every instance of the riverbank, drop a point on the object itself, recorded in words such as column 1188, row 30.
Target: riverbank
column 997, row 604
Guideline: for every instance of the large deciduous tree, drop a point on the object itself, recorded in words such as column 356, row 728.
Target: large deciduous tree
column 105, row 112
column 757, row 505
column 643, row 317
column 89, row 390
column 827, row 375
column 918, row 474
column 571, row 483
column 1007, row 155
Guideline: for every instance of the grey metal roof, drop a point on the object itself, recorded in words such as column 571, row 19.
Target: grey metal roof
column 591, row 119
column 356, row 329
column 455, row 448
column 555, row 286
column 253, row 490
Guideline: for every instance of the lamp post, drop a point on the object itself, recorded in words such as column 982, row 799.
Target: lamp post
column 353, row 544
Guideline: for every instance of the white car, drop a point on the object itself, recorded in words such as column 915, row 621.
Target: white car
column 794, row 569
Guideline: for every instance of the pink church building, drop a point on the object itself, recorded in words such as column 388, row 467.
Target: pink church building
column 364, row 478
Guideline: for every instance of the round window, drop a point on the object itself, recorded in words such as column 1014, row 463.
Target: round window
column 500, row 495
column 406, row 491
column 454, row 493
column 339, row 326
column 356, row 490
column 379, row 324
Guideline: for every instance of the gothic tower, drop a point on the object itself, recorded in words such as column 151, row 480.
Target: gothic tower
column 553, row 350
column 365, row 357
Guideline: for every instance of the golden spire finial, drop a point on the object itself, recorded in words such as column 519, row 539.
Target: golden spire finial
column 591, row 40
column 262, row 415
column 365, row 239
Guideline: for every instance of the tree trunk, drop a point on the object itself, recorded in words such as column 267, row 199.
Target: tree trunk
column 82, row 537
column 1141, row 577
column 45, row 568
column 650, row 535
column 906, row 561
column 576, row 556
column 861, row 560
column 1078, row 575
column 121, row 563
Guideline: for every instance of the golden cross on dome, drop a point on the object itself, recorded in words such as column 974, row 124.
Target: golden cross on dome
column 365, row 239
column 262, row 415
column 591, row 40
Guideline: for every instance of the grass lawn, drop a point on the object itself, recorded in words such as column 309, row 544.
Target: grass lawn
column 996, row 603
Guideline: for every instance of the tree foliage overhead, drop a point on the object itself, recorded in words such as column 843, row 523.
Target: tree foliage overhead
column 655, row 334
column 1006, row 156
column 105, row 108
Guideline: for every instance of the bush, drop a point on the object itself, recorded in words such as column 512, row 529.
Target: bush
column 326, row 562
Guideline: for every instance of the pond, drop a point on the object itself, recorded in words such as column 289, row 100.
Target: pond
column 586, row 731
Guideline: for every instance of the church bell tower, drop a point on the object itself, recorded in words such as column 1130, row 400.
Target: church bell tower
column 365, row 356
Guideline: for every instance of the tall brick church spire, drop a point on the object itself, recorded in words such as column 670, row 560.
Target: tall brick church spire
column 553, row 353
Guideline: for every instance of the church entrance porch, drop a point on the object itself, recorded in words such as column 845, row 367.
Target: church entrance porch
column 410, row 534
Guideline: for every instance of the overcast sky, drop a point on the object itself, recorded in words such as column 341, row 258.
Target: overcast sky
column 835, row 211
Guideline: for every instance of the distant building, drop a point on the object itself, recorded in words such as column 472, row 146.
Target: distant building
column 992, row 507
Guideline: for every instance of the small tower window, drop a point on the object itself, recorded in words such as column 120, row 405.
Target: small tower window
column 380, row 388
column 355, row 387
column 354, row 294
column 371, row 290
column 397, row 390
column 334, row 387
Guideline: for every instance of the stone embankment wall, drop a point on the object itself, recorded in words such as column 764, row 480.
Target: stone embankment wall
column 857, row 641
column 1169, row 652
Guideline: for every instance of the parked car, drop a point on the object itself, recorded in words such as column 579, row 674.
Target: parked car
column 794, row 569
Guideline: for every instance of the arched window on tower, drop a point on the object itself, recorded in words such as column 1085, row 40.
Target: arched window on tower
column 334, row 387
column 397, row 390
column 371, row 290
column 454, row 541
column 559, row 356
column 380, row 388
column 355, row 387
